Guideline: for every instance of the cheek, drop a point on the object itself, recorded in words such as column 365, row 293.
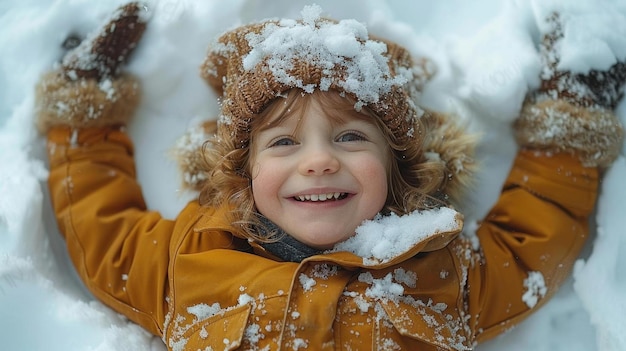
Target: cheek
column 373, row 174
column 265, row 184
column 381, row 185
column 254, row 170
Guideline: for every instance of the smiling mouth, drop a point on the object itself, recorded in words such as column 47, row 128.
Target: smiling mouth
column 321, row 197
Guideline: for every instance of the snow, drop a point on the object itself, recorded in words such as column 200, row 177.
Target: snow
column 203, row 311
column 536, row 289
column 381, row 239
column 307, row 282
column 384, row 288
column 325, row 45
column 485, row 62
column 588, row 47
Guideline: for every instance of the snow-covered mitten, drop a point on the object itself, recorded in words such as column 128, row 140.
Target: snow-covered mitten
column 87, row 90
column 573, row 112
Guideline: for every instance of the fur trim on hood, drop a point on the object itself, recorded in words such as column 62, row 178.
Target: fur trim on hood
column 447, row 141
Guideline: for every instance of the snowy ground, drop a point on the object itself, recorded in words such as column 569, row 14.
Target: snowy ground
column 486, row 62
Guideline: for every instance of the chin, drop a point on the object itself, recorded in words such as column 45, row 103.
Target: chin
column 325, row 243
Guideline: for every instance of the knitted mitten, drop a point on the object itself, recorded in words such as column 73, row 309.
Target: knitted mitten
column 88, row 90
column 573, row 112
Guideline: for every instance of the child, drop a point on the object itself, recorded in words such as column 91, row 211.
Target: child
column 324, row 219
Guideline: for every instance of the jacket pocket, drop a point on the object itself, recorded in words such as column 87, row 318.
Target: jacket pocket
column 223, row 331
column 427, row 324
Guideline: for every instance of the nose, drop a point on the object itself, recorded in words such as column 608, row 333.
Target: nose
column 318, row 160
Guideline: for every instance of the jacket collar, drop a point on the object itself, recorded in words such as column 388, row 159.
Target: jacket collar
column 378, row 243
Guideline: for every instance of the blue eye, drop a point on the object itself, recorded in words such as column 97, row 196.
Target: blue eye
column 351, row 136
column 282, row 142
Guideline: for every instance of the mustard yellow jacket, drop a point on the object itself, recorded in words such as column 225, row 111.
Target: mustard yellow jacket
column 200, row 287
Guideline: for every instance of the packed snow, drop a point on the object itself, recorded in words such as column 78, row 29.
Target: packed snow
column 325, row 45
column 381, row 239
column 485, row 59
column 536, row 289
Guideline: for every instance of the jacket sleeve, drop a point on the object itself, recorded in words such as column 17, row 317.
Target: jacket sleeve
column 119, row 249
column 529, row 240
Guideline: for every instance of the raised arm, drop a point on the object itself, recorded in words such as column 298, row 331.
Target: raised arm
column 119, row 249
column 530, row 239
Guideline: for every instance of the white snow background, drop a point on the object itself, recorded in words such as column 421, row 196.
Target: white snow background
column 485, row 54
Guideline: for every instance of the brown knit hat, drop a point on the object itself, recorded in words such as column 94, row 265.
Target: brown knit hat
column 252, row 65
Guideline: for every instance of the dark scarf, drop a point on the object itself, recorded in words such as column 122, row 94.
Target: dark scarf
column 286, row 247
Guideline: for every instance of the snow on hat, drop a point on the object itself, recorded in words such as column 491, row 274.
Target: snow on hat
column 253, row 64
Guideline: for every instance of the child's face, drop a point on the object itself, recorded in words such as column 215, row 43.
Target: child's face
column 318, row 178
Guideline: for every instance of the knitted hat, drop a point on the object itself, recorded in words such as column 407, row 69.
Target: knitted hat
column 252, row 65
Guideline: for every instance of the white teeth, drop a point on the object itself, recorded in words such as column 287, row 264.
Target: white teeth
column 319, row 197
